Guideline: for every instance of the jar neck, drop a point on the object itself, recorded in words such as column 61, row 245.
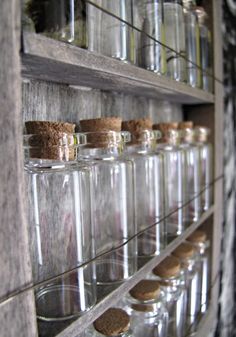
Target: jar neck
column 144, row 141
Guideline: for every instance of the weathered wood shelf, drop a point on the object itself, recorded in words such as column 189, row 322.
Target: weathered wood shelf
column 111, row 298
column 50, row 60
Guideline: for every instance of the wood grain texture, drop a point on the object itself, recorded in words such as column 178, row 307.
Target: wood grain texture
column 50, row 60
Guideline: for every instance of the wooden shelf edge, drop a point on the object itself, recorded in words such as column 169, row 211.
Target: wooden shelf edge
column 207, row 323
column 51, row 60
column 83, row 322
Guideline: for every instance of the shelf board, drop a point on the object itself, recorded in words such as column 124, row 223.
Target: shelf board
column 112, row 297
column 207, row 324
column 50, row 60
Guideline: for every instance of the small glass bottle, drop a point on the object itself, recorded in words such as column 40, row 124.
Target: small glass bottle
column 144, row 304
column 206, row 166
column 175, row 177
column 108, row 35
column 189, row 260
column 113, row 203
column 192, row 43
column 63, row 20
column 152, row 55
column 59, row 217
column 169, row 275
column 201, row 244
column 113, row 322
column 206, row 50
column 175, row 39
column 149, row 181
column 193, row 208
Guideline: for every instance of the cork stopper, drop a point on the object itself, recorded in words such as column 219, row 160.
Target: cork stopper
column 113, row 322
column 201, row 14
column 197, row 237
column 166, row 130
column 101, row 124
column 184, row 251
column 185, row 125
column 201, row 133
column 51, row 140
column 169, row 267
column 137, row 125
column 145, row 290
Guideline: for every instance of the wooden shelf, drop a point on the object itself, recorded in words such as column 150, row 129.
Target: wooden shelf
column 112, row 297
column 50, row 60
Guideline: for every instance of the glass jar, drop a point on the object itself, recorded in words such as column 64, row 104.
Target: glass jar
column 108, row 35
column 149, row 181
column 114, row 322
column 152, row 55
column 144, row 304
column 175, row 177
column 175, row 39
column 113, row 200
column 63, row 20
column 192, row 43
column 206, row 166
column 193, row 208
column 189, row 260
column 59, row 218
column 206, row 50
column 201, row 244
column 169, row 275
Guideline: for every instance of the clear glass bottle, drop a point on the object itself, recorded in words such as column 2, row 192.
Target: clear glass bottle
column 63, row 20
column 192, row 43
column 169, row 275
column 149, row 181
column 201, row 244
column 189, row 260
column 175, row 177
column 114, row 322
column 152, row 55
column 206, row 165
column 206, row 50
column 108, row 35
column 193, row 209
column 175, row 39
column 144, row 304
column 59, row 218
column 112, row 199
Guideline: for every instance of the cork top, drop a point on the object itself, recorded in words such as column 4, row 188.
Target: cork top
column 113, row 322
column 184, row 251
column 101, row 124
column 201, row 14
column 137, row 125
column 145, row 290
column 169, row 267
column 39, row 127
column 197, row 237
column 164, row 127
column 202, row 133
column 185, row 125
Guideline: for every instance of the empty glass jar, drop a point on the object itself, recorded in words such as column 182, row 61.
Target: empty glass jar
column 59, row 218
column 145, row 305
column 63, row 20
column 108, row 35
column 206, row 166
column 192, row 43
column 149, row 181
column 193, row 208
column 201, row 244
column 113, row 203
column 189, row 260
column 152, row 54
column 175, row 177
column 175, row 39
column 168, row 273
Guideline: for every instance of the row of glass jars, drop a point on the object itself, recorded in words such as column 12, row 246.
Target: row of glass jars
column 178, row 24
column 105, row 193
column 169, row 302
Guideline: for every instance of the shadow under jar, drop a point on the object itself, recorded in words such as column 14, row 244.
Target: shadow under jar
column 189, row 260
column 149, row 182
column 113, row 208
column 144, row 304
column 175, row 177
column 60, row 229
column 168, row 274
